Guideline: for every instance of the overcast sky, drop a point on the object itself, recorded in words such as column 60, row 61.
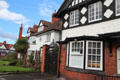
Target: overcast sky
column 28, row 12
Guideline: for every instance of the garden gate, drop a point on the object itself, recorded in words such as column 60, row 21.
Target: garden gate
column 51, row 58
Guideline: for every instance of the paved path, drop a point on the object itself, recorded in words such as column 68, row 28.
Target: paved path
column 30, row 76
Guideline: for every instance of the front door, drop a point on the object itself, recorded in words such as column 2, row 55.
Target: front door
column 118, row 60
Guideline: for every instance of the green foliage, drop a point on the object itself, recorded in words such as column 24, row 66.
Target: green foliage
column 15, row 69
column 4, row 63
column 21, row 45
column 13, row 62
column 10, row 57
column 20, row 63
column 31, row 58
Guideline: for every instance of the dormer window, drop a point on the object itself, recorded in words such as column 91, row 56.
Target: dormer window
column 41, row 27
column 95, row 11
column 74, row 18
column 117, row 7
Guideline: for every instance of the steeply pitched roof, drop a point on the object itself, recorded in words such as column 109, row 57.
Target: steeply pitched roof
column 64, row 6
column 8, row 46
column 34, row 29
column 49, row 26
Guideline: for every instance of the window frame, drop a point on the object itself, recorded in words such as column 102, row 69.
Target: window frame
column 72, row 55
column 101, row 55
column 94, row 8
column 75, row 15
column 76, row 53
column 85, row 54
column 116, row 10
column 48, row 39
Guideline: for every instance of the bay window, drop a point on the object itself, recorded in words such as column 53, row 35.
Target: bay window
column 94, row 55
column 88, row 53
column 74, row 18
column 95, row 11
column 76, row 54
column 117, row 7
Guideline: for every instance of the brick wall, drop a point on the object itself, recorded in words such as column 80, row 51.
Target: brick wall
column 110, row 65
column 43, row 59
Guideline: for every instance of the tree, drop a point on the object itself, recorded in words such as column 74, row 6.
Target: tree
column 21, row 46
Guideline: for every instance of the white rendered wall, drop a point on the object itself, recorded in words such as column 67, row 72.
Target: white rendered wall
column 92, row 29
column 36, row 47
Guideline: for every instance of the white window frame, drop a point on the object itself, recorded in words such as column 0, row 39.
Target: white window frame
column 101, row 61
column 116, row 1
column 94, row 6
column 67, row 55
column 76, row 53
column 71, row 54
column 75, row 15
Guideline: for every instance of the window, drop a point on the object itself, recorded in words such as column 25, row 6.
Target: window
column 76, row 54
column 117, row 7
column 48, row 37
column 77, row 48
column 94, row 55
column 74, row 18
column 40, row 39
column 93, row 51
column 34, row 42
column 95, row 11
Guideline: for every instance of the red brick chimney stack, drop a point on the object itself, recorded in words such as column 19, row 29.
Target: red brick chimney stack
column 54, row 19
column 20, row 33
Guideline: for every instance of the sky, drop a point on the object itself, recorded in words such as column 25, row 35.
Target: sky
column 13, row 13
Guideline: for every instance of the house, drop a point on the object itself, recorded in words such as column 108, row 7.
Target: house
column 43, row 34
column 6, row 49
column 90, row 40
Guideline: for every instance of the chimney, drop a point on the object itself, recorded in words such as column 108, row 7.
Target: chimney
column 4, row 42
column 54, row 19
column 20, row 33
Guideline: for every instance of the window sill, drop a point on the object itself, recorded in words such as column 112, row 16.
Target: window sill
column 117, row 14
column 73, row 25
column 94, row 72
column 95, row 20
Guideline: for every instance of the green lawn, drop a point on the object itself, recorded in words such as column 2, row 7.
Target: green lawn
column 4, row 67
column 4, row 62
column 15, row 69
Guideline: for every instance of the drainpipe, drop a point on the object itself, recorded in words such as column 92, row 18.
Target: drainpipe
column 59, row 56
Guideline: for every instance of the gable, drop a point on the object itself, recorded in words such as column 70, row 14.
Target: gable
column 69, row 4
column 41, row 27
column 12, row 48
column 3, row 47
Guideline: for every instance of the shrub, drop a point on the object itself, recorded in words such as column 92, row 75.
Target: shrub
column 20, row 63
column 31, row 58
column 10, row 57
column 13, row 62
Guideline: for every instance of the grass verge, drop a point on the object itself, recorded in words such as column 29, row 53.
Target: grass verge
column 15, row 69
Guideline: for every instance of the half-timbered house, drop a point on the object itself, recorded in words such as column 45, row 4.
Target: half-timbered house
column 90, row 43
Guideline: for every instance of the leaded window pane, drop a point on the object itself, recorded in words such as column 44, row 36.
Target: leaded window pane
column 95, row 11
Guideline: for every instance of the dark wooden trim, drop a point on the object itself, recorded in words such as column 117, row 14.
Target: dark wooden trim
column 104, row 8
column 103, row 55
column 84, row 54
column 81, row 38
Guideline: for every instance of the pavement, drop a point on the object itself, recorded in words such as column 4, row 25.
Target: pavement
column 29, row 76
